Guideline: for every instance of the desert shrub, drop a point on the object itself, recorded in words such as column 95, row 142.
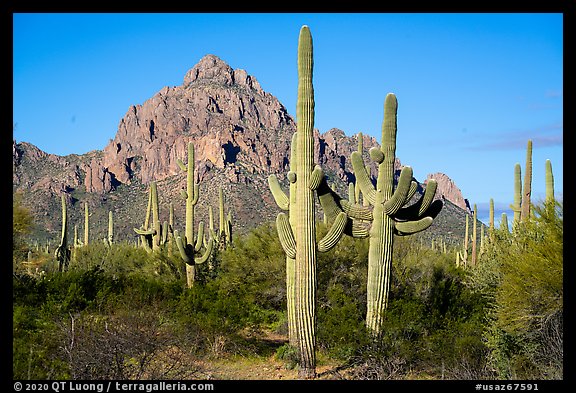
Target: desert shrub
column 341, row 326
column 526, row 324
column 433, row 324
column 125, row 345
column 22, row 224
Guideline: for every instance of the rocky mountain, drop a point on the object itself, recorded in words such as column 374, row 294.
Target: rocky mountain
column 241, row 135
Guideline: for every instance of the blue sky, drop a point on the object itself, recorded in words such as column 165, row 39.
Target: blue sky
column 472, row 88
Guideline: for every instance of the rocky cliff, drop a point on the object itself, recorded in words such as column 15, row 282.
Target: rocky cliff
column 241, row 135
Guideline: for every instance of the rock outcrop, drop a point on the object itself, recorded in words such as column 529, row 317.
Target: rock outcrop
column 240, row 132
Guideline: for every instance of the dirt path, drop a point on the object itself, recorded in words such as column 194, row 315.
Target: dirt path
column 257, row 367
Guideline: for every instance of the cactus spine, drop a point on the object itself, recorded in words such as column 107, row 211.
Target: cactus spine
column 62, row 252
column 187, row 246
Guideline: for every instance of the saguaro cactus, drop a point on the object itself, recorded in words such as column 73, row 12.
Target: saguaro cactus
column 388, row 216
column 491, row 215
column 86, row 223
column 474, row 235
column 462, row 257
column 151, row 236
column 549, row 182
column 504, row 223
column 110, row 239
column 300, row 243
column 187, row 246
column 63, row 252
column 517, row 205
column 525, row 213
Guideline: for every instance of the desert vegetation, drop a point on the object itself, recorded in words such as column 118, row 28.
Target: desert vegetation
column 358, row 295
column 121, row 312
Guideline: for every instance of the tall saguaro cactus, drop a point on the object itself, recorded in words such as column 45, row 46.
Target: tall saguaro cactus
column 299, row 241
column 549, row 182
column 86, row 223
column 187, row 246
column 388, row 216
column 62, row 252
column 517, row 205
column 474, row 235
column 110, row 239
column 525, row 213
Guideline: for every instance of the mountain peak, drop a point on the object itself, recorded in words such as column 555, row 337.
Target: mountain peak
column 212, row 69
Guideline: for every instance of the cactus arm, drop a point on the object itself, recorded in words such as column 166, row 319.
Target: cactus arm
column 412, row 190
column 362, row 178
column 351, row 193
column 207, row 253
column 181, row 165
column 211, row 232
column 328, row 200
column 280, row 197
column 200, row 237
column 420, row 207
column 286, row 235
column 425, row 206
column 356, row 211
column 164, row 233
column 403, row 228
column 148, row 210
column 145, row 232
column 376, row 155
column 316, row 177
column 334, row 234
column 333, row 204
column 398, row 199
column 196, row 194
column 428, row 196
column 357, row 229
column 181, row 248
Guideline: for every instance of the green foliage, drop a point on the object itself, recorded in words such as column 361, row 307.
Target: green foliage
column 22, row 222
column 256, row 266
column 521, row 276
column 500, row 319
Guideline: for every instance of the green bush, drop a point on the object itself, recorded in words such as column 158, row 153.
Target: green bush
column 525, row 335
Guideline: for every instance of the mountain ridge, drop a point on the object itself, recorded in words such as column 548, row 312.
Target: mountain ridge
column 241, row 135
